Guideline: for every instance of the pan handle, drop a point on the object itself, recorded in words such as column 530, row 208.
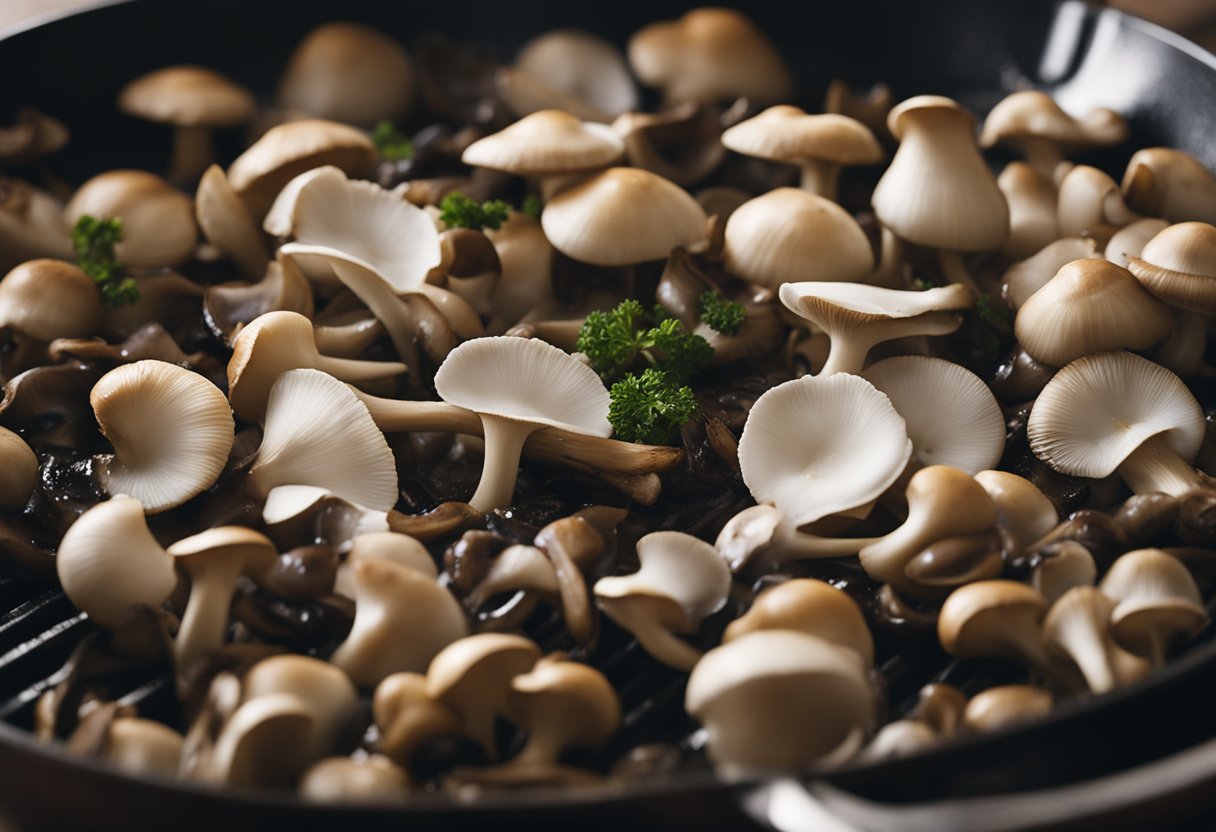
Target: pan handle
column 1184, row 779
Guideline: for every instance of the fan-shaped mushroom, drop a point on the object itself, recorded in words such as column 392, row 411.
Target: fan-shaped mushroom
column 1078, row 623
column 1157, row 602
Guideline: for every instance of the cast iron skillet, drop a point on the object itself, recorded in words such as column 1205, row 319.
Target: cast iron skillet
column 975, row 51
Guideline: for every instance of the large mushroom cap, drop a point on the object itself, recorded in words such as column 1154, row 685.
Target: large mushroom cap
column 348, row 73
column 788, row 234
column 171, row 430
column 821, row 446
column 545, row 143
column 1178, row 265
column 189, row 96
column 1089, row 306
column 621, row 217
column 1099, row 409
column 527, row 380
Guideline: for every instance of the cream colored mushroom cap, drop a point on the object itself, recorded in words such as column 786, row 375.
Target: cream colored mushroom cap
column 953, row 418
column 527, row 380
column 621, row 217
column 1029, row 114
column 789, row 234
column 171, row 430
column 158, row 225
column 1178, row 265
column 678, row 566
column 585, row 65
column 820, row 446
column 1089, row 306
column 48, row 299
column 826, row 302
column 788, row 134
column 1099, row 409
column 811, row 606
column 188, row 96
column 546, row 143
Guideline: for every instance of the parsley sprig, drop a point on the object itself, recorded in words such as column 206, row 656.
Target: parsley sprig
column 391, row 143
column 459, row 211
column 721, row 315
column 94, row 241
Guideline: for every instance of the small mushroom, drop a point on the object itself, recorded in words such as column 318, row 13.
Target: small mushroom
column 323, row 689
column 215, row 560
column 1172, row 184
column 1148, row 426
column 940, row 706
column 349, row 73
column 339, row 779
column 761, row 532
column 391, row 546
column 1157, row 603
column 809, row 606
column 682, row 144
column 228, row 308
column 1005, row 705
column 1131, row 239
column 1025, row 277
column 142, row 746
column 408, row 717
column 32, row 136
column 1024, row 514
column 777, row 699
column 18, row 471
column 1090, row 204
column 516, row 386
column 901, row 738
column 526, row 282
column 1033, row 221
column 158, row 226
column 818, row 144
column 857, row 317
column 195, row 100
column 32, row 224
column 681, row 581
column 403, row 619
column 109, row 563
column 572, row 544
column 1032, row 122
column 227, row 225
column 171, row 430
column 473, row 678
column 562, row 705
column 995, row 619
column 583, row 65
column 1078, row 623
column 263, row 743
column 43, row 300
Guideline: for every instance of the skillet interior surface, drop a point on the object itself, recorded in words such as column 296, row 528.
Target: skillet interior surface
column 976, row 52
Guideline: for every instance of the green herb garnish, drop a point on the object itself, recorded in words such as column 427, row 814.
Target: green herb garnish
column 625, row 337
column 649, row 407
column 94, row 241
column 391, row 143
column 720, row 314
column 531, row 206
column 460, row 211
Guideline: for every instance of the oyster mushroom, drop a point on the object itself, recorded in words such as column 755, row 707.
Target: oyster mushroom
column 995, row 619
column 1033, row 222
column 338, row 779
column 215, row 560
column 1131, row 239
column 1078, row 623
column 778, row 699
column 1063, row 566
column 324, row 690
column 1156, row 603
column 18, row 471
column 195, row 100
column 158, row 225
column 142, row 746
column 1172, row 184
column 1025, row 277
column 818, row 144
column 526, row 284
column 227, row 225
column 1090, row 204
column 681, row 582
column 562, row 705
column 1024, row 514
column 517, row 386
column 682, row 144
column 408, row 717
column 263, row 743
column 403, row 619
column 32, row 224
column 109, row 563
column 385, row 545
column 857, row 317
column 583, row 65
column 1149, row 424
column 809, row 606
column 171, row 430
column 1031, row 122
column 227, row 308
column 277, row 342
column 41, row 300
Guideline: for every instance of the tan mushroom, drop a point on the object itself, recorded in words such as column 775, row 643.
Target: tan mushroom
column 1172, row 184
column 1025, row 277
column 1090, row 203
column 1157, row 603
column 158, row 226
column 562, row 705
column 995, row 619
column 408, row 717
column 582, row 65
column 339, row 779
column 809, row 606
column 227, row 224
column 142, row 746
column 1005, row 705
column 324, row 690
column 1078, row 623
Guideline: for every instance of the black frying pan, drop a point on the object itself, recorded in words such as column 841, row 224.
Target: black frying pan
column 1064, row 767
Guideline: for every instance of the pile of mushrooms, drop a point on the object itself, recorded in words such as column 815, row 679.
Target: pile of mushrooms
column 342, row 477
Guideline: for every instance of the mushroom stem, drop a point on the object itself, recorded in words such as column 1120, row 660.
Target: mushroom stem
column 355, row 370
column 790, row 544
column 1182, row 351
column 846, row 355
column 205, row 620
column 504, row 444
column 192, row 153
column 821, row 178
column 1155, row 467
column 954, row 271
column 562, row 334
column 667, row 648
column 1043, row 156
column 890, row 261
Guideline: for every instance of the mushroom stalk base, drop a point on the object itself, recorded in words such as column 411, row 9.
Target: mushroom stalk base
column 821, row 178
column 1154, row 467
column 504, row 443
column 954, row 271
column 192, row 153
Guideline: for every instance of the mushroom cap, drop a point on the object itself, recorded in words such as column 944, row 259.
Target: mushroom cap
column 788, row 134
column 403, row 619
column 1157, row 600
column 1089, row 306
column 383, row 545
column 1135, row 398
column 821, row 446
column 938, row 191
column 789, row 234
column 18, row 471
column 1005, row 704
column 584, row 65
column 1088, row 201
column 395, row 239
column 188, row 96
column 108, row 562
column 143, row 746
column 1078, row 624
column 563, row 705
column 810, row 606
column 324, row 689
column 621, row 217
column 349, row 73
column 49, row 299
column 286, row 151
column 1169, row 183
column 952, row 417
column 674, row 566
column 252, row 549
column 171, row 430
column 779, row 699
column 263, row 743
column 546, row 143
column 1029, row 114
column 336, row 779
column 1025, row 277
column 525, row 380
column 710, row 55
column 1061, row 567
column 978, row 618
column 1130, row 240
column 318, row 433
column 1178, row 265
column 158, row 225
column 824, row 303
column 1033, row 223
column 1022, row 510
